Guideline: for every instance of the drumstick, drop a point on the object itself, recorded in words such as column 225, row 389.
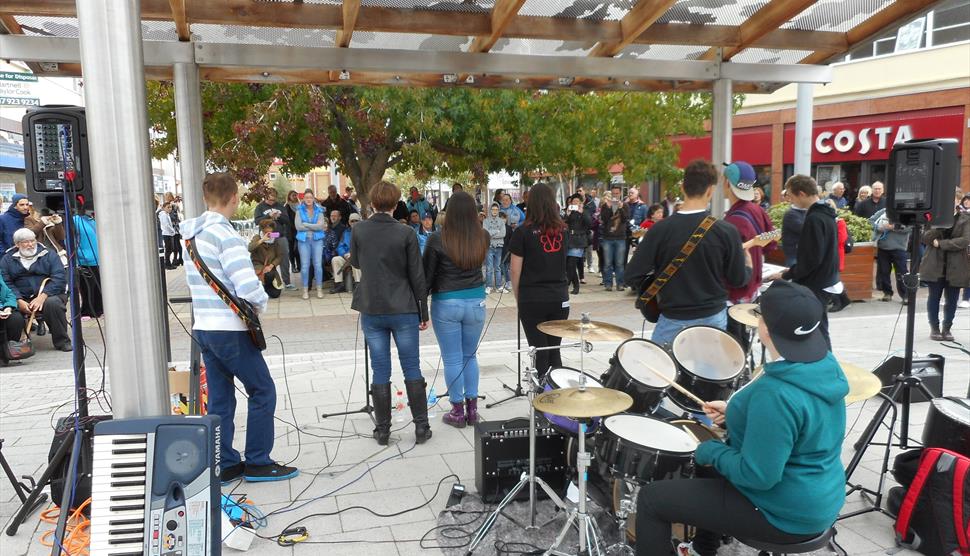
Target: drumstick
column 678, row 387
column 691, row 433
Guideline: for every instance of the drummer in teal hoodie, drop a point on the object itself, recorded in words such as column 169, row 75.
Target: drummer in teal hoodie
column 779, row 477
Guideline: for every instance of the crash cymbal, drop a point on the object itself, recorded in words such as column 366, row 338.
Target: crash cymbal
column 592, row 330
column 745, row 313
column 583, row 403
column 862, row 383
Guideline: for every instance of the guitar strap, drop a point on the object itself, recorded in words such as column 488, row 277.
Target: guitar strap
column 679, row 259
column 217, row 286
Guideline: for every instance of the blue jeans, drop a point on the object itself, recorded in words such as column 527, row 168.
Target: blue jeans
column 493, row 268
column 311, row 256
column 667, row 328
column 229, row 355
column 614, row 252
column 938, row 290
column 458, row 326
column 377, row 333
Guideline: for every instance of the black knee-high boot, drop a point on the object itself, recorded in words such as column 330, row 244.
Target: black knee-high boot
column 381, row 395
column 418, row 402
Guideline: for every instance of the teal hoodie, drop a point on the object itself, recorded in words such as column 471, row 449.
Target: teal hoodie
column 784, row 450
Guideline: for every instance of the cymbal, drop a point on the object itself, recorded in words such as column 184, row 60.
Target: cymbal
column 863, row 384
column 745, row 313
column 593, row 330
column 580, row 403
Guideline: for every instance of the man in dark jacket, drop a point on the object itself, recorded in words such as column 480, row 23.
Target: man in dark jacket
column 335, row 202
column 24, row 269
column 270, row 208
column 13, row 220
column 866, row 208
column 817, row 261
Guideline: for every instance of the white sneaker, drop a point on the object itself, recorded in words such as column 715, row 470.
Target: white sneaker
column 488, row 290
column 686, row 549
column 506, row 289
column 964, row 304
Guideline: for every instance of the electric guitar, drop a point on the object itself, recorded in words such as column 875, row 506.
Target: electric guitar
column 761, row 240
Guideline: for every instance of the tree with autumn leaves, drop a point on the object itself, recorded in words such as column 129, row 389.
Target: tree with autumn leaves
column 431, row 131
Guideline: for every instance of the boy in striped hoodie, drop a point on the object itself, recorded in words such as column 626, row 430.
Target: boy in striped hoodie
column 227, row 349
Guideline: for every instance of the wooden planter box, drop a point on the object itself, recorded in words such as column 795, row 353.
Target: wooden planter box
column 858, row 275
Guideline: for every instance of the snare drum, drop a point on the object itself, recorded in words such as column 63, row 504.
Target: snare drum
column 709, row 364
column 630, row 372
column 567, row 377
column 643, row 449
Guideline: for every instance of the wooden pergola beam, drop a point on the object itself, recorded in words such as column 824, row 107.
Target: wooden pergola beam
column 769, row 18
column 633, row 24
column 349, row 11
column 181, row 21
column 899, row 11
column 502, row 14
column 9, row 26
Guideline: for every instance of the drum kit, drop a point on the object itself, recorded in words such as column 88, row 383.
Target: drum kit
column 643, row 417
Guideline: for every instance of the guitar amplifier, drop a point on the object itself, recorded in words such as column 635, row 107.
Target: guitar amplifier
column 155, row 487
column 929, row 369
column 502, row 455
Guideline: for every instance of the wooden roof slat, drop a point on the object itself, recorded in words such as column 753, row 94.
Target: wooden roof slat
column 502, row 13
column 769, row 18
column 900, row 11
column 181, row 21
column 634, row 23
column 349, row 11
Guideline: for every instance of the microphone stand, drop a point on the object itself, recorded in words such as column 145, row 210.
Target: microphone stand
column 517, row 392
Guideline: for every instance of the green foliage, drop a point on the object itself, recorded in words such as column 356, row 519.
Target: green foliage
column 859, row 228
column 245, row 211
column 451, row 133
column 282, row 186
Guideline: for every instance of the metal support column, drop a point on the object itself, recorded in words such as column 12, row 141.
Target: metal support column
column 114, row 93
column 803, row 128
column 188, row 121
column 721, row 139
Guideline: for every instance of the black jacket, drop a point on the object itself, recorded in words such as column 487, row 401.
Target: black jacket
column 401, row 212
column 441, row 274
column 392, row 277
column 283, row 223
column 817, row 263
column 578, row 224
column 340, row 204
column 614, row 224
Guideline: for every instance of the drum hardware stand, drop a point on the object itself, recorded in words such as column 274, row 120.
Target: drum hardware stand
column 590, row 539
column 517, row 392
column 627, row 507
column 529, row 478
column 903, row 385
column 367, row 408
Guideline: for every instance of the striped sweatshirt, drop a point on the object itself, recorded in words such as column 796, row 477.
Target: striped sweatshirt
column 227, row 256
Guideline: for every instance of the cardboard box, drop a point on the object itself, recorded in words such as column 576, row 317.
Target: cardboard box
column 178, row 390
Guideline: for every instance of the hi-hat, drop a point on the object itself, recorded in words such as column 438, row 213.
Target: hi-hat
column 591, row 331
column 583, row 403
column 745, row 313
column 863, row 384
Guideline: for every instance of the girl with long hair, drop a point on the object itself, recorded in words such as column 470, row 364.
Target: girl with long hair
column 293, row 205
column 311, row 228
column 578, row 223
column 538, row 271
column 453, row 261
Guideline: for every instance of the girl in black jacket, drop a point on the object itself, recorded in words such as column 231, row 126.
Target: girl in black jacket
column 578, row 225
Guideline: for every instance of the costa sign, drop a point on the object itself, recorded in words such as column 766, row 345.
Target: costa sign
column 847, row 140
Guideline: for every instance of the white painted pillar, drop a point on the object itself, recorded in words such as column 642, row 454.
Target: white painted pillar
column 721, row 139
column 188, row 121
column 803, row 128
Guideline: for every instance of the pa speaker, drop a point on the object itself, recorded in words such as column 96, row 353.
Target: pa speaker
column 922, row 176
column 56, row 156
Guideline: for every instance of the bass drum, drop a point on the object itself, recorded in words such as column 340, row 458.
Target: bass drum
column 948, row 425
column 710, row 362
column 567, row 377
column 630, row 372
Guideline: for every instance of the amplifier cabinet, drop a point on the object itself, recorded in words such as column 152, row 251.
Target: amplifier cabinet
column 502, row 455
column 929, row 369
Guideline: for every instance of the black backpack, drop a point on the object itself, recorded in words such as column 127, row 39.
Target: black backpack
column 934, row 517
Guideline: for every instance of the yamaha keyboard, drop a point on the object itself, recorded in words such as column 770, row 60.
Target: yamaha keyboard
column 155, row 487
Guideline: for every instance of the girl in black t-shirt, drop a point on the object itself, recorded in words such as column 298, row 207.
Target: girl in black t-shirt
column 538, row 272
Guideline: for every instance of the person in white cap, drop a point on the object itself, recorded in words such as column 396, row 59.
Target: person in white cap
column 341, row 258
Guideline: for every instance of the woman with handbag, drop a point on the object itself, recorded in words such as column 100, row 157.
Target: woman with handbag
column 12, row 326
column 946, row 269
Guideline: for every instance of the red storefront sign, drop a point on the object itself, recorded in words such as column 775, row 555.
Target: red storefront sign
column 841, row 140
column 873, row 137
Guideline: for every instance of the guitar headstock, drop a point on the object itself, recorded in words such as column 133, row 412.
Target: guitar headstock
column 765, row 238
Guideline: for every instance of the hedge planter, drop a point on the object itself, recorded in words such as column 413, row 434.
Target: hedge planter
column 858, row 274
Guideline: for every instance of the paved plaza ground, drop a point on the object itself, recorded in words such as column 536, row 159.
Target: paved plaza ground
column 342, row 467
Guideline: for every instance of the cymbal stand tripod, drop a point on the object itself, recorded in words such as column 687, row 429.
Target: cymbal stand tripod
column 529, row 478
column 628, row 506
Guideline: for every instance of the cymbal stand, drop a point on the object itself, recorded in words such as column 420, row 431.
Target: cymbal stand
column 590, row 539
column 627, row 507
column 529, row 478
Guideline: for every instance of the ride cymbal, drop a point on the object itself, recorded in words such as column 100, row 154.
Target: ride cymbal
column 863, row 384
column 583, row 403
column 745, row 313
column 591, row 331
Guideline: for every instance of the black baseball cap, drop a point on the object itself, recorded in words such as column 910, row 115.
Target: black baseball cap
column 793, row 316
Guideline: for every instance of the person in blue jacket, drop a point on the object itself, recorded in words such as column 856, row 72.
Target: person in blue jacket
column 85, row 232
column 12, row 220
column 779, row 477
column 341, row 258
column 11, row 321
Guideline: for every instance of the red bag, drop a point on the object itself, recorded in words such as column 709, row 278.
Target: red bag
column 934, row 518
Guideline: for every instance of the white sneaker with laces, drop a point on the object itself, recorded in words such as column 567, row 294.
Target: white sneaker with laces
column 488, row 290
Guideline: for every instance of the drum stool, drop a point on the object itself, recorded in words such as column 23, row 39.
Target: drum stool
column 826, row 539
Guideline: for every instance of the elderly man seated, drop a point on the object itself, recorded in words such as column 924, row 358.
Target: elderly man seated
column 341, row 259
column 24, row 269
